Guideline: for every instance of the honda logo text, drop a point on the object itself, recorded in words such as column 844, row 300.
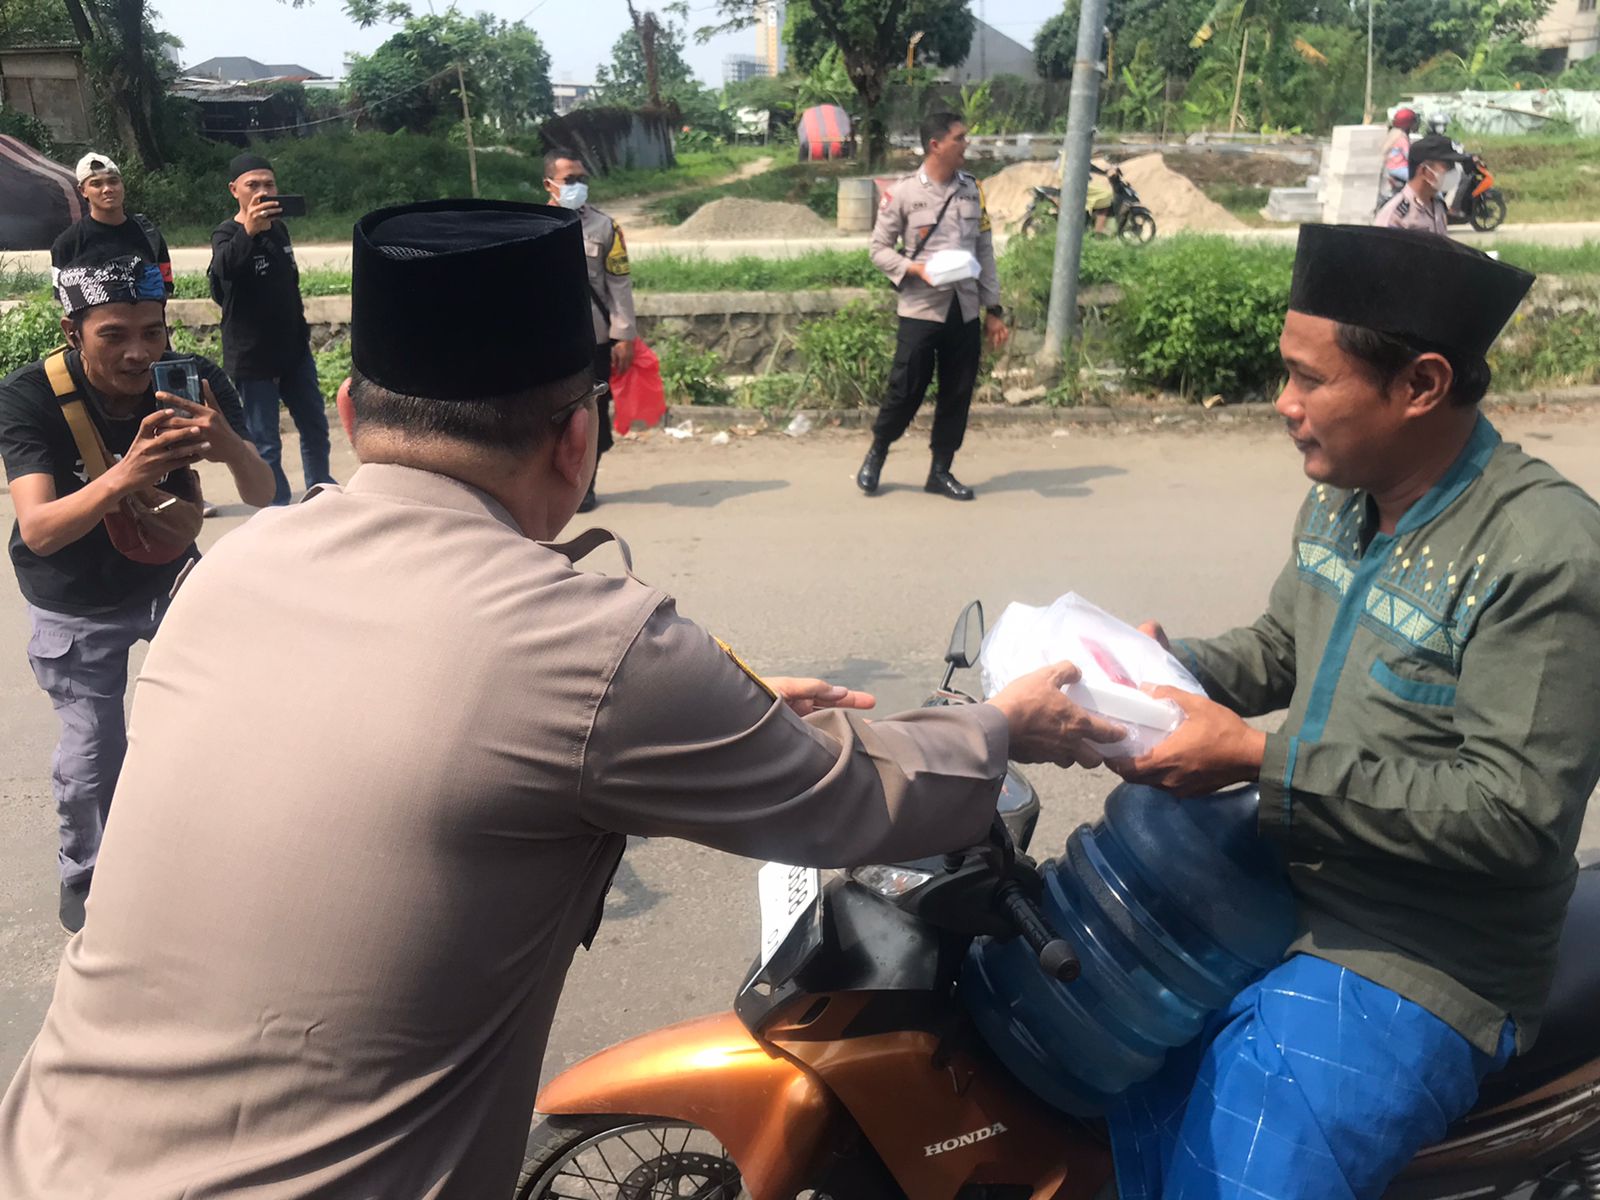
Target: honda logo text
column 966, row 1139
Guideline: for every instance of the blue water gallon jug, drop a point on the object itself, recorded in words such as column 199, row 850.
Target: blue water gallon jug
column 1173, row 906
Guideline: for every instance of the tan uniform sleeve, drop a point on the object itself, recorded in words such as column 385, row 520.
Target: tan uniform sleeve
column 887, row 232
column 686, row 744
column 988, row 269
column 618, row 277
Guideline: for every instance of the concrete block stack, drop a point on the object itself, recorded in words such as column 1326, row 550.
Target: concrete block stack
column 1350, row 171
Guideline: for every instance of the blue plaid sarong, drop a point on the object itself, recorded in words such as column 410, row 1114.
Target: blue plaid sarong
column 1314, row 1083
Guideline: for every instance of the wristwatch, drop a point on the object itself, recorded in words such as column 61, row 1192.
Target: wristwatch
column 996, row 310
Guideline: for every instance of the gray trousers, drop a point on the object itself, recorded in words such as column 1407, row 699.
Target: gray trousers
column 82, row 664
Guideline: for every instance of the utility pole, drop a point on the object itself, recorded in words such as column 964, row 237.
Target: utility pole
column 466, row 117
column 1082, row 111
column 1366, row 110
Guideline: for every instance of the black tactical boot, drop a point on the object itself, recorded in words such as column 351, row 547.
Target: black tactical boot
column 942, row 483
column 871, row 468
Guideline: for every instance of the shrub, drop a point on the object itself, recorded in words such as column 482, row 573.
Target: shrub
column 847, row 355
column 1027, row 264
column 186, row 341
column 689, row 374
column 333, row 367
column 1203, row 315
column 29, row 332
column 1559, row 349
column 779, row 392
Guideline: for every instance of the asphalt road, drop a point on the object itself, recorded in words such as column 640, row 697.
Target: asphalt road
column 768, row 544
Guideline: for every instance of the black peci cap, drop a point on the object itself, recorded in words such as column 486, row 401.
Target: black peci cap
column 1417, row 286
column 468, row 299
column 1434, row 148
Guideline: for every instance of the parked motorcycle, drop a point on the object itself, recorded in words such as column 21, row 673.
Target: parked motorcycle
column 1133, row 220
column 1477, row 201
column 850, row 1068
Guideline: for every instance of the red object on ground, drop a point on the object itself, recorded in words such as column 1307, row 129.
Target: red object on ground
column 637, row 394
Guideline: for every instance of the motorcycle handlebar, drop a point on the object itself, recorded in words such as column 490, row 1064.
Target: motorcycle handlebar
column 1056, row 958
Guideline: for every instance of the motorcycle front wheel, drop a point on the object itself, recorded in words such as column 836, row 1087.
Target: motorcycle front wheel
column 626, row 1158
column 1137, row 226
column 1488, row 210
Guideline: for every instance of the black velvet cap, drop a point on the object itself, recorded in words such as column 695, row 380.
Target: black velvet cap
column 243, row 164
column 468, row 299
column 1417, row 286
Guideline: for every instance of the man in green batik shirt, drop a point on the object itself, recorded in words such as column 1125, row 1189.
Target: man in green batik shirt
column 1435, row 638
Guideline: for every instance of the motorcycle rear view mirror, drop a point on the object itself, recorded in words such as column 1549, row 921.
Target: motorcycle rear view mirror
column 963, row 651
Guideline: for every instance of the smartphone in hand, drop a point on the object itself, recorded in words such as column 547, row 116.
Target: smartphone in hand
column 288, row 206
column 179, row 377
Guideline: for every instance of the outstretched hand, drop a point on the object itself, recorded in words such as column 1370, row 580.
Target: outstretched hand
column 1048, row 727
column 1213, row 749
column 806, row 696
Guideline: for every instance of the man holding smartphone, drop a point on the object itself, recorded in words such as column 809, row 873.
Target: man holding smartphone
column 88, row 602
column 266, row 343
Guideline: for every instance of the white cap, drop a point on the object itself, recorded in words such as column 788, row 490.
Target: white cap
column 96, row 164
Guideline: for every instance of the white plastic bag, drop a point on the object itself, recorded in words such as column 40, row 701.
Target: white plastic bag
column 1115, row 659
column 951, row 266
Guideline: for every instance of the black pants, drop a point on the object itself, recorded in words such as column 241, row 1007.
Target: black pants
column 956, row 346
column 602, row 374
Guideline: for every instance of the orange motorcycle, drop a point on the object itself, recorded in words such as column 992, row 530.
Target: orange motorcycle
column 851, row 1069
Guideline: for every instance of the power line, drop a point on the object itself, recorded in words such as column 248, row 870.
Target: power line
column 355, row 112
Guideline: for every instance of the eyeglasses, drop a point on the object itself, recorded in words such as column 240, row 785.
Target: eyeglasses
column 564, row 414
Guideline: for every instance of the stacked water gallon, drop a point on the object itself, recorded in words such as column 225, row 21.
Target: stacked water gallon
column 1173, row 907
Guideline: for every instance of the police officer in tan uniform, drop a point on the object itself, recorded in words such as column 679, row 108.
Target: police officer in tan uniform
column 330, row 969
column 610, row 282
column 938, row 208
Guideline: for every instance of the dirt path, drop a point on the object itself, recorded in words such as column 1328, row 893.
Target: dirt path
column 631, row 215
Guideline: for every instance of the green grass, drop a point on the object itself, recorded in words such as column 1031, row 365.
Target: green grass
column 17, row 281
column 1551, row 260
column 819, row 269
column 1551, row 178
column 808, row 272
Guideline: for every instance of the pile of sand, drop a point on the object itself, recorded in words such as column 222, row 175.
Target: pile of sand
column 1175, row 202
column 1006, row 195
column 734, row 218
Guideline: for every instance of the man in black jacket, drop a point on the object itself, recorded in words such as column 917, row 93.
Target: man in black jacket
column 266, row 344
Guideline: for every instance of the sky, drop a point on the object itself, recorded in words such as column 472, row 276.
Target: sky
column 577, row 33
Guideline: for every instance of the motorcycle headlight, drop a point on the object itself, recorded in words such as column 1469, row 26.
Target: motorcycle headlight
column 890, row 881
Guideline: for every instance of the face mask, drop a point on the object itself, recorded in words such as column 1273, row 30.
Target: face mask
column 1447, row 183
column 573, row 195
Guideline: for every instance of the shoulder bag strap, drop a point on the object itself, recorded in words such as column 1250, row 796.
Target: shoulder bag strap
column 929, row 232
column 72, row 408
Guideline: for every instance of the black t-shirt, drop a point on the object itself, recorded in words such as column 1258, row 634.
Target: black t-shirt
column 257, row 283
column 90, row 241
column 89, row 576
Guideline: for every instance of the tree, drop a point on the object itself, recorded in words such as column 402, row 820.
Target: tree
column 871, row 36
column 1408, row 33
column 34, row 22
column 410, row 82
column 626, row 81
column 1055, row 47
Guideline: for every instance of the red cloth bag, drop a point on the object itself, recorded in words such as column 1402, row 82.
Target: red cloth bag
column 637, row 394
